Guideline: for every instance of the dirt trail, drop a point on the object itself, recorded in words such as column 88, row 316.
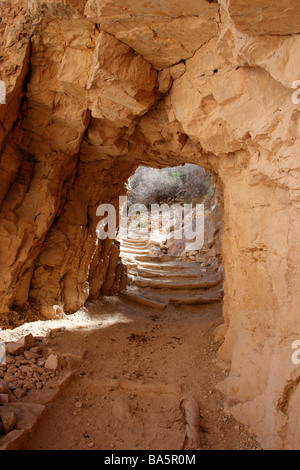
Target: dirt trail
column 141, row 373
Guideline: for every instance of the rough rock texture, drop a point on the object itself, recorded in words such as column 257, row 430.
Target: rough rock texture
column 210, row 253
column 89, row 99
column 163, row 32
column 29, row 381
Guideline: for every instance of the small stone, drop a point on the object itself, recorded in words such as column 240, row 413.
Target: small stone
column 36, row 350
column 13, row 385
column 38, row 369
column 78, row 404
column 54, row 363
column 164, row 81
column 30, row 385
column 9, row 378
column 14, row 348
column 10, row 360
column 18, row 347
column 8, row 419
column 29, row 355
column 19, row 393
column 4, row 398
column 25, row 369
column 3, row 386
column 41, row 363
column 91, row 445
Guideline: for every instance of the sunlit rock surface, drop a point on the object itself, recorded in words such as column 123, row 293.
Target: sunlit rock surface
column 94, row 89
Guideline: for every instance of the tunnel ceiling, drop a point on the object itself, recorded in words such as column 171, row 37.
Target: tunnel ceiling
column 97, row 88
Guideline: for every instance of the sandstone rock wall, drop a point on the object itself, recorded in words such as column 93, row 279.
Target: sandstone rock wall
column 96, row 88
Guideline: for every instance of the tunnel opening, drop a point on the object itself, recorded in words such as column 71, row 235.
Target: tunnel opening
column 170, row 237
column 146, row 350
column 90, row 95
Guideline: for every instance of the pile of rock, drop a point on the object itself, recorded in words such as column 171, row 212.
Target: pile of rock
column 27, row 368
column 30, row 378
column 7, row 418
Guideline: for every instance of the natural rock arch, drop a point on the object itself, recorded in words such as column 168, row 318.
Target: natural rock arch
column 91, row 96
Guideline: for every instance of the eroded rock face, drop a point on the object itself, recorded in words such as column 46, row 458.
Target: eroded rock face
column 94, row 89
column 163, row 32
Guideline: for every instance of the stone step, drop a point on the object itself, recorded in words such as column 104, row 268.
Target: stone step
column 167, row 275
column 196, row 301
column 131, row 265
column 157, row 281
column 143, row 301
column 134, row 251
column 161, row 266
column 134, row 247
column 134, row 242
column 136, row 238
column 178, row 297
column 157, row 259
column 153, row 284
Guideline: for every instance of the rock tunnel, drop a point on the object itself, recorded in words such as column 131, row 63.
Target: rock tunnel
column 97, row 88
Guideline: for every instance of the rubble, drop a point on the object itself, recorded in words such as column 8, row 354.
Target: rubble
column 31, row 378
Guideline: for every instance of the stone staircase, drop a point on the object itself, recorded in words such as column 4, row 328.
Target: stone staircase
column 162, row 280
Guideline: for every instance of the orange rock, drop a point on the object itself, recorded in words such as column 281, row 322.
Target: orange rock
column 90, row 112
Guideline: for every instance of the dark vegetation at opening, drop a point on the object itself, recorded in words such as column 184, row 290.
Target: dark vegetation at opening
column 186, row 184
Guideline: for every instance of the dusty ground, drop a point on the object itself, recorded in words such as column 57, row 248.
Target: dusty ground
column 134, row 367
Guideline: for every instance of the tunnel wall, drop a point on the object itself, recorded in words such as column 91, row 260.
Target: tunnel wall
column 90, row 96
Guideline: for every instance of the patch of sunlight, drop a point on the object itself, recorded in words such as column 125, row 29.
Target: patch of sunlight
column 83, row 319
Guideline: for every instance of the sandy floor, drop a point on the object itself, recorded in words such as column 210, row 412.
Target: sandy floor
column 134, row 368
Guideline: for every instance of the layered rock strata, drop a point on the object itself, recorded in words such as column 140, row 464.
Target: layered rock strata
column 97, row 88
